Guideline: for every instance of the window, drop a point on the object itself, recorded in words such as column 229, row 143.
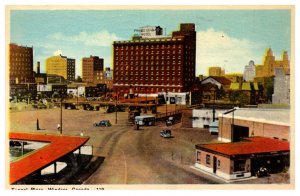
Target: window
column 239, row 165
column 219, row 163
column 198, row 156
column 208, row 159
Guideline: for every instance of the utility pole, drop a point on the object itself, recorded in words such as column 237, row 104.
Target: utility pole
column 61, row 99
column 166, row 103
column 116, row 120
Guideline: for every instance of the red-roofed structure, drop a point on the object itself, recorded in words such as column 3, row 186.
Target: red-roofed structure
column 242, row 159
column 59, row 146
column 252, row 145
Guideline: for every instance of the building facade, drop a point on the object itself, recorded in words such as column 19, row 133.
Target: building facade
column 20, row 64
column 216, row 71
column 241, row 160
column 281, row 87
column 249, row 72
column 62, row 66
column 92, row 69
column 270, row 63
column 246, row 122
column 156, row 64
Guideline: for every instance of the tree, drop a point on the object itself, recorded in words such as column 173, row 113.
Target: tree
column 78, row 79
column 269, row 89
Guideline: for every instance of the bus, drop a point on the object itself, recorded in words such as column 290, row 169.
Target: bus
column 145, row 120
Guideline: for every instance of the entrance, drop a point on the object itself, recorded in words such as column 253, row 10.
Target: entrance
column 215, row 164
column 239, row 132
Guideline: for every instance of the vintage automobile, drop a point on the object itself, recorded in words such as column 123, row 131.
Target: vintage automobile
column 102, row 123
column 166, row 133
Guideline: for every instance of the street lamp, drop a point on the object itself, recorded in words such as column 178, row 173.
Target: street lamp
column 61, row 100
column 116, row 119
column 175, row 103
column 166, row 102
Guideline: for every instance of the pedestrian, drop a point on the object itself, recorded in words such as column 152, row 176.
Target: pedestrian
column 37, row 124
column 58, row 127
column 81, row 133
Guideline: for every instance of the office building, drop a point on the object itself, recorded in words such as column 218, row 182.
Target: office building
column 20, row 64
column 92, row 69
column 156, row 63
column 62, row 66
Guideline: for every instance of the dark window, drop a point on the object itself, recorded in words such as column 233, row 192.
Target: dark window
column 198, row 156
column 239, row 165
column 219, row 163
column 208, row 159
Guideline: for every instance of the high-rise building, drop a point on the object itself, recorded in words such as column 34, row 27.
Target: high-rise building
column 92, row 69
column 215, row 71
column 249, row 71
column 20, row 64
column 281, row 93
column 268, row 68
column 62, row 66
column 156, row 63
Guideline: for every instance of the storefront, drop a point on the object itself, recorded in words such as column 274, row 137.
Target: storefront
column 239, row 160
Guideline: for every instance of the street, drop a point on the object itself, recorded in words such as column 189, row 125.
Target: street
column 130, row 156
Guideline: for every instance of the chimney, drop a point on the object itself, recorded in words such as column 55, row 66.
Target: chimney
column 38, row 67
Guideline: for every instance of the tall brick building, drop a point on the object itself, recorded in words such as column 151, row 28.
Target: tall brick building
column 156, row 64
column 62, row 66
column 20, row 64
column 92, row 69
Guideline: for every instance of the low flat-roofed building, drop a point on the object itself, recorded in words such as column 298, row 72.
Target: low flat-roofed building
column 246, row 122
column 238, row 160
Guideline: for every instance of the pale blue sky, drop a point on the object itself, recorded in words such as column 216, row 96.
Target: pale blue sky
column 227, row 38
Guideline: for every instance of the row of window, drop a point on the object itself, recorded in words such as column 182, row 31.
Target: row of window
column 131, row 58
column 131, row 68
column 207, row 159
column 141, row 63
column 121, row 73
column 150, row 89
column 147, row 52
column 149, row 46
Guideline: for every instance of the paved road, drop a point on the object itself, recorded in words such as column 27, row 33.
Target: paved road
column 143, row 157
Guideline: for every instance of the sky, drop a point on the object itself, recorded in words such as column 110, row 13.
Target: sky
column 226, row 38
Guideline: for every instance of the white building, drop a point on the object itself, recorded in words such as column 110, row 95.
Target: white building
column 203, row 117
column 249, row 71
column 281, row 93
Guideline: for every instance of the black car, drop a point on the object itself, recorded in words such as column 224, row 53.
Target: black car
column 102, row 123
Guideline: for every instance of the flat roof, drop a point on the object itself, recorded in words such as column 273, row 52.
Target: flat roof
column 252, row 145
column 272, row 116
column 59, row 146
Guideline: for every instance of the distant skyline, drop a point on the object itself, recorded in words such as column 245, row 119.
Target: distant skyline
column 225, row 38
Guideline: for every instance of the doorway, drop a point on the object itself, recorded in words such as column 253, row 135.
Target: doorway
column 239, row 132
column 214, row 164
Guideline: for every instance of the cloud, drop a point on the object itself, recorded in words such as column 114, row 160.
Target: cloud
column 102, row 38
column 216, row 48
column 57, row 52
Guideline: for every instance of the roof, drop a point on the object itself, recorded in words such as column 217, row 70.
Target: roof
column 59, row 146
column 234, row 86
column 246, row 86
column 272, row 116
column 222, row 80
column 252, row 145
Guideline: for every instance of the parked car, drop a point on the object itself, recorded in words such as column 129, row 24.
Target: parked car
column 262, row 172
column 166, row 133
column 170, row 121
column 102, row 123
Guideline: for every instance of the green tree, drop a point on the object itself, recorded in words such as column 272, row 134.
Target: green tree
column 78, row 79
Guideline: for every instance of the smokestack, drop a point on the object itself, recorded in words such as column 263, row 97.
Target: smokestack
column 38, row 67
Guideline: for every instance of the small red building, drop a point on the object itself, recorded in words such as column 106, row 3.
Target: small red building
column 237, row 160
